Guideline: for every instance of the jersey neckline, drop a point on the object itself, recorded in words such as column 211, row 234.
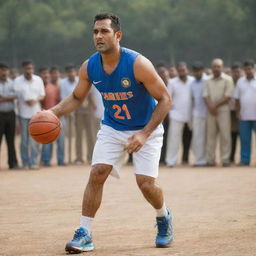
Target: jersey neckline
column 120, row 59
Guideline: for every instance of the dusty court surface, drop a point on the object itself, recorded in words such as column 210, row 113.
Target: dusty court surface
column 214, row 212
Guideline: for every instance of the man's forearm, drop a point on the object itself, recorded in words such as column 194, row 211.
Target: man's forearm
column 7, row 99
column 66, row 106
column 158, row 115
column 222, row 101
column 208, row 102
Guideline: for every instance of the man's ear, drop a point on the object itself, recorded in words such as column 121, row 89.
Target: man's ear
column 119, row 35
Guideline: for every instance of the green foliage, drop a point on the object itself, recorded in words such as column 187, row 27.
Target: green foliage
column 60, row 31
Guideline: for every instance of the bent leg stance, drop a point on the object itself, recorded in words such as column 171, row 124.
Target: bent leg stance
column 107, row 159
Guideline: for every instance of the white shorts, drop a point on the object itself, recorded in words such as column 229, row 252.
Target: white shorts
column 109, row 149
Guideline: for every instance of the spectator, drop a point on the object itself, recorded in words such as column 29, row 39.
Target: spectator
column 208, row 72
column 67, row 85
column 217, row 92
column 245, row 95
column 228, row 71
column 85, row 121
column 52, row 98
column 180, row 114
column 199, row 114
column 7, row 114
column 236, row 74
column 55, row 75
column 164, row 74
column 30, row 91
column 14, row 73
column 172, row 72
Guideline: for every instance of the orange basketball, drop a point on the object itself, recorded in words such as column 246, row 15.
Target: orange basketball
column 44, row 127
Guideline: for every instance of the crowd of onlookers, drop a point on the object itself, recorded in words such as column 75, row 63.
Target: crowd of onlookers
column 208, row 104
column 26, row 94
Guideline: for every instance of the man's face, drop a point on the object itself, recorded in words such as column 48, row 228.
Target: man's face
column 28, row 70
column 172, row 72
column 182, row 71
column 217, row 68
column 71, row 74
column 236, row 73
column 163, row 73
column 45, row 75
column 249, row 71
column 4, row 73
column 104, row 37
column 198, row 74
column 14, row 74
column 55, row 76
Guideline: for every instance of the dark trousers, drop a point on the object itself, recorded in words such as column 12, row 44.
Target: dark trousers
column 186, row 141
column 234, row 136
column 163, row 151
column 7, row 128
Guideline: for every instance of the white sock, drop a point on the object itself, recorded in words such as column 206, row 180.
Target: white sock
column 86, row 222
column 162, row 211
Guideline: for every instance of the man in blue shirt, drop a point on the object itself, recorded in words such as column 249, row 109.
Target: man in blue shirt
column 129, row 86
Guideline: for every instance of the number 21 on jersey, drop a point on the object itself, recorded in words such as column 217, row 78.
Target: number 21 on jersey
column 118, row 113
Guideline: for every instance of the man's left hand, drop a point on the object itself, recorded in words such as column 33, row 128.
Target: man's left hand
column 136, row 142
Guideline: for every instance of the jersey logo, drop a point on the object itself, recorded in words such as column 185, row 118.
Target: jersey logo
column 96, row 82
column 125, row 82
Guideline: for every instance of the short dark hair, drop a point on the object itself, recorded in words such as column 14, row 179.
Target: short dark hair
column 181, row 64
column 249, row 63
column 69, row 67
column 4, row 66
column 236, row 65
column 115, row 21
column 43, row 69
column 197, row 65
column 26, row 63
column 54, row 68
column 161, row 64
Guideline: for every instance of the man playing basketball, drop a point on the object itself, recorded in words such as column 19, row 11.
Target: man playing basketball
column 132, row 120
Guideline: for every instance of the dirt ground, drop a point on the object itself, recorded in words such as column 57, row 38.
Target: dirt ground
column 214, row 212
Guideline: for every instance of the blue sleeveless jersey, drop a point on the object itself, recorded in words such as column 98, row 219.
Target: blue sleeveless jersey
column 128, row 105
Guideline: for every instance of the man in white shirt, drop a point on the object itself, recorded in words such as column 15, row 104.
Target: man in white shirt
column 30, row 91
column 67, row 85
column 245, row 95
column 7, row 114
column 199, row 115
column 180, row 114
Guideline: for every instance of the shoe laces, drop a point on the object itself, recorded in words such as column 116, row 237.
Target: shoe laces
column 162, row 225
column 79, row 233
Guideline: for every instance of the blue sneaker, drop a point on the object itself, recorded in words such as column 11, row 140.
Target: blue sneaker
column 82, row 242
column 165, row 231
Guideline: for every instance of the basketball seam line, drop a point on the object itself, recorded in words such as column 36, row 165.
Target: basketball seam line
column 45, row 132
column 36, row 122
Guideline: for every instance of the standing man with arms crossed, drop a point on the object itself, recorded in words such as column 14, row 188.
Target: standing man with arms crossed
column 132, row 120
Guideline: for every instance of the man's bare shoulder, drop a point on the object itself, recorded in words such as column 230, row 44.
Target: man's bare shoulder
column 83, row 74
column 143, row 68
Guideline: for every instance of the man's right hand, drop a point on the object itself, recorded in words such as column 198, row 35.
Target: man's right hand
column 213, row 109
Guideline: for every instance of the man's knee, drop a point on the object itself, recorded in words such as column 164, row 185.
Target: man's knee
column 145, row 183
column 99, row 173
